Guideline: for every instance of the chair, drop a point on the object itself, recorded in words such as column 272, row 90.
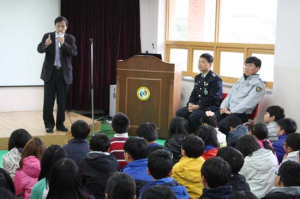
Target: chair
column 254, row 112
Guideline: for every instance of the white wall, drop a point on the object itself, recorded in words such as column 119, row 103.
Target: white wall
column 153, row 18
column 287, row 66
column 21, row 99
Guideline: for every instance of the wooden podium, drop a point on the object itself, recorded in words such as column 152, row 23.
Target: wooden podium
column 140, row 77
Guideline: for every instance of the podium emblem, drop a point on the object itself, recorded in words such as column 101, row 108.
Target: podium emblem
column 143, row 93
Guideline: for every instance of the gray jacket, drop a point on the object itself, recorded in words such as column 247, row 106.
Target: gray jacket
column 272, row 129
column 245, row 95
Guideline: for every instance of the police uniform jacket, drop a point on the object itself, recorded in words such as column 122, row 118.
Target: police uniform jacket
column 245, row 95
column 207, row 90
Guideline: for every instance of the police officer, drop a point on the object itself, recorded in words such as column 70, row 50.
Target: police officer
column 243, row 97
column 206, row 95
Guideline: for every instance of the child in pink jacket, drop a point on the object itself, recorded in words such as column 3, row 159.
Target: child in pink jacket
column 27, row 175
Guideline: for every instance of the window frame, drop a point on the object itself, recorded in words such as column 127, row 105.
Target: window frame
column 247, row 48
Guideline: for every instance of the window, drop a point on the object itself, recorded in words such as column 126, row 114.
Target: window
column 179, row 57
column 253, row 22
column 192, row 20
column 230, row 30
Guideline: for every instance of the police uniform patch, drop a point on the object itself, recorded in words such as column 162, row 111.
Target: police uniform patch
column 258, row 89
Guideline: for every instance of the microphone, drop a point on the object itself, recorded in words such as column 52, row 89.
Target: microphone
column 59, row 35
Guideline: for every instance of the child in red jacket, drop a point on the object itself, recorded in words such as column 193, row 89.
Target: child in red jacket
column 209, row 136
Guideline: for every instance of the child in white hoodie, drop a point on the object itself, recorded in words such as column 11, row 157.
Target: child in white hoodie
column 259, row 166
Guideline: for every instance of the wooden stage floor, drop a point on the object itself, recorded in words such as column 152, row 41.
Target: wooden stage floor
column 34, row 124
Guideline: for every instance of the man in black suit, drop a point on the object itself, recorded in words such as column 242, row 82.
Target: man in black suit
column 206, row 95
column 57, row 72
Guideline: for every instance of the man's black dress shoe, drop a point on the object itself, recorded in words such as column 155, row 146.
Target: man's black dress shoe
column 63, row 129
column 49, row 130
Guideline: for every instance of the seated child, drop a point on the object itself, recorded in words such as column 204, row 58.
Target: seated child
column 209, row 135
column 236, row 161
column 187, row 171
column 160, row 168
column 51, row 155
column 136, row 151
column 272, row 115
column 260, row 132
column 287, row 182
column 16, row 143
column 236, row 131
column 78, row 147
column 210, row 119
column 292, row 147
column 98, row 166
column 30, row 167
column 120, row 124
column 285, row 126
column 215, row 174
column 148, row 131
column 178, row 131
column 158, row 192
column 259, row 165
column 120, row 185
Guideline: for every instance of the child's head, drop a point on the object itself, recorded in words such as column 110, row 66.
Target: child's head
column 64, row 181
column 100, row 142
column 160, row 164
column 209, row 135
column 18, row 139
column 147, row 131
column 273, row 113
column 6, row 181
column 288, row 174
column 233, row 122
column 292, row 143
column 178, row 125
column 34, row 147
column 242, row 195
column 135, row 148
column 158, row 192
column 247, row 145
column 260, row 132
column 233, row 157
column 215, row 172
column 192, row 147
column 80, row 129
column 120, row 185
column 286, row 126
column 209, row 119
column 51, row 155
column 120, row 123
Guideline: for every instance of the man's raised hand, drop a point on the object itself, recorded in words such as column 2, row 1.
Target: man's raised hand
column 48, row 41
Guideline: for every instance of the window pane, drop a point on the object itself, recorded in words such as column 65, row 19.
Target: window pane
column 253, row 22
column 196, row 56
column 192, row 20
column 179, row 58
column 232, row 64
column 267, row 66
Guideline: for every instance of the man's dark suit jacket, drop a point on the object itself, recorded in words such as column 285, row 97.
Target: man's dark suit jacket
column 68, row 49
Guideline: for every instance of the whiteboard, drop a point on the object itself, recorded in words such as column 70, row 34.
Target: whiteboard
column 23, row 24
